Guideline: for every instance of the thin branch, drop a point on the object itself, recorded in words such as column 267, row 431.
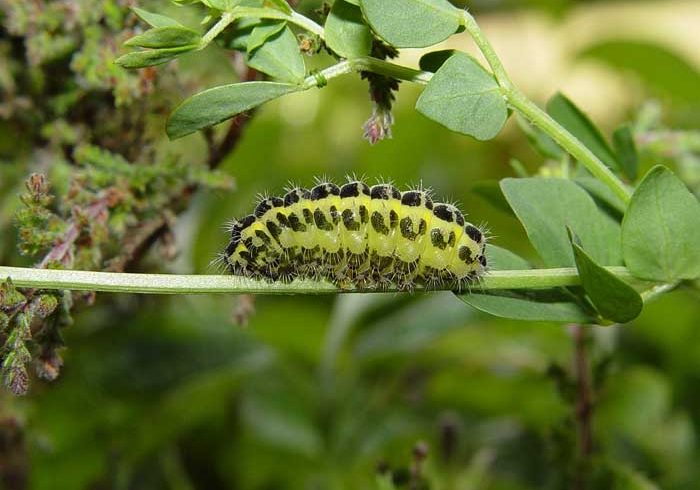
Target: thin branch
column 227, row 18
column 201, row 284
column 95, row 212
column 366, row 63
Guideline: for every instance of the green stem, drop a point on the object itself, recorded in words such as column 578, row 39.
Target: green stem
column 487, row 50
column 540, row 118
column 295, row 18
column 366, row 63
column 569, row 142
column 658, row 290
column 199, row 284
column 306, row 23
column 261, row 13
column 226, row 19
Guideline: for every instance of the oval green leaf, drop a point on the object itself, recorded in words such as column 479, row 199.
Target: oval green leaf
column 279, row 57
column 661, row 229
column 262, row 32
column 154, row 20
column 623, row 141
column 501, row 259
column 279, row 4
column 412, row 23
column 465, row 98
column 165, row 37
column 220, row 103
column 545, row 207
column 613, row 298
column 535, row 307
column 435, row 59
column 151, row 57
column 345, row 31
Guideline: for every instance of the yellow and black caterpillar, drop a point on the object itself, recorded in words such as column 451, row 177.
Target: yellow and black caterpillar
column 357, row 237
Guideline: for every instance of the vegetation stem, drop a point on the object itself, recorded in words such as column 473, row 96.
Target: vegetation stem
column 366, row 63
column 540, row 118
column 217, row 28
column 487, row 50
column 267, row 13
column 200, row 284
column 569, row 142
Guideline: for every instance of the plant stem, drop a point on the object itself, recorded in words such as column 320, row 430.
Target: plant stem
column 540, row 118
column 266, row 13
column 569, row 142
column 366, row 63
column 200, row 284
column 306, row 23
column 216, row 29
column 262, row 13
column 487, row 50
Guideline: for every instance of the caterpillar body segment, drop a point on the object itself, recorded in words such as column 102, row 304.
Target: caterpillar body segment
column 358, row 237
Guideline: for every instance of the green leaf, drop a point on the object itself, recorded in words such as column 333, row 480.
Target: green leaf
column 237, row 38
column 548, row 305
column 546, row 207
column 435, row 59
column 279, row 57
column 220, row 103
column 602, row 193
column 500, row 259
column 534, row 307
column 155, row 20
column 262, row 32
column 279, row 5
column 345, row 31
column 613, row 298
column 623, row 141
column 221, row 4
column 661, row 229
column 412, row 23
column 140, row 59
column 165, row 37
column 660, row 69
column 565, row 112
column 465, row 98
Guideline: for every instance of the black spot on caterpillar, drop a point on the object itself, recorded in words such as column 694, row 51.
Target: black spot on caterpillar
column 357, row 237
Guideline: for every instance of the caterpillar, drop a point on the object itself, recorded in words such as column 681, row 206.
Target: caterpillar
column 359, row 237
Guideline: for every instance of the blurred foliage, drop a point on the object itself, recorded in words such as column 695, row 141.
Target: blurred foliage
column 361, row 391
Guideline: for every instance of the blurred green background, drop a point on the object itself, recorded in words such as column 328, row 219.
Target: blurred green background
column 318, row 393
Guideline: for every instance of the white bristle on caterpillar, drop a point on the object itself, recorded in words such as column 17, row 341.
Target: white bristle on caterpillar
column 358, row 237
